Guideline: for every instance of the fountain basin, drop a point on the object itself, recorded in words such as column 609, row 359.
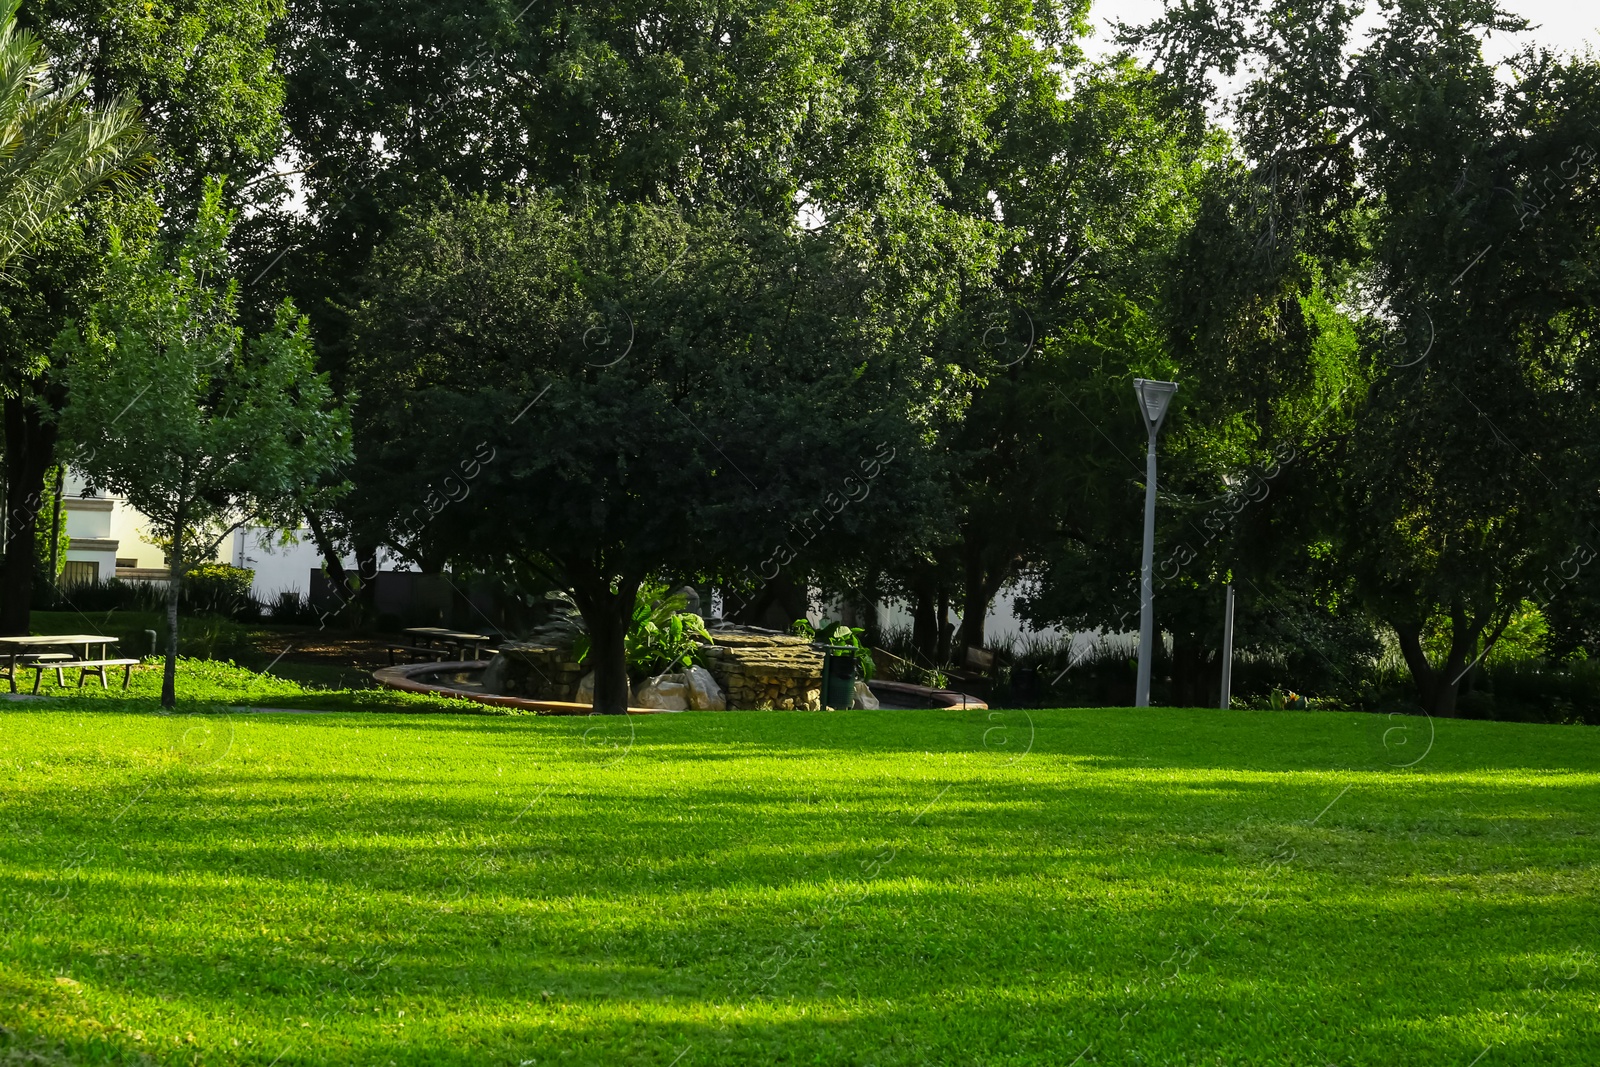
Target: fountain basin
column 463, row 680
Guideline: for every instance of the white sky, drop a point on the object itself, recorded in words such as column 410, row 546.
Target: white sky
column 1568, row 25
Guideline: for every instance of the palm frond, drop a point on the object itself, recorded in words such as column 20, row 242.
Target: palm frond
column 55, row 149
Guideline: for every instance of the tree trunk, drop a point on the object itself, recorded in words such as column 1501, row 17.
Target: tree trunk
column 975, row 601
column 607, row 628
column 55, row 522
column 30, row 451
column 982, row 584
column 1191, row 681
column 1438, row 688
column 1445, row 694
column 607, row 616
column 332, row 562
column 946, row 628
column 1423, row 676
column 869, row 619
column 1464, row 636
column 924, row 626
column 169, row 677
column 366, row 592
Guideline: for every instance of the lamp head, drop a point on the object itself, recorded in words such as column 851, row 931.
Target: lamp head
column 1154, row 399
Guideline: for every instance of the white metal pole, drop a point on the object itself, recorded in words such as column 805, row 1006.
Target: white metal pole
column 1147, row 579
column 1227, row 650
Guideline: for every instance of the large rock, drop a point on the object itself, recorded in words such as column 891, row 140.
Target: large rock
column 750, row 670
column 704, row 693
column 664, row 692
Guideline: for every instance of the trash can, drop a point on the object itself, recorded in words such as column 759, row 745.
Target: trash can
column 838, row 677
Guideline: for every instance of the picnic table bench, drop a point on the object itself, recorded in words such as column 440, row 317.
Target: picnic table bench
column 27, row 651
column 439, row 644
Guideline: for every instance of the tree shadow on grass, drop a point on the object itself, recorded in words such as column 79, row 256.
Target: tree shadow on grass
column 904, row 975
column 1032, row 902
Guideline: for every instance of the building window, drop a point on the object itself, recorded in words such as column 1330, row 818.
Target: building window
column 81, row 572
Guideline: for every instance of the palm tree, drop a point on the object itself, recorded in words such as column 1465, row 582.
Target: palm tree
column 55, row 148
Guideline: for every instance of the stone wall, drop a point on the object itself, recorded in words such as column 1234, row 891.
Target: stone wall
column 534, row 672
column 760, row 672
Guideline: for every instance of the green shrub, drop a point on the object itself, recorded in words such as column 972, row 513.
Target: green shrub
column 220, row 589
column 290, row 606
column 661, row 637
column 107, row 594
column 1539, row 691
column 213, row 589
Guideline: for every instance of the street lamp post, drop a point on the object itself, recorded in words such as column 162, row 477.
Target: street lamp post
column 1227, row 650
column 1154, row 397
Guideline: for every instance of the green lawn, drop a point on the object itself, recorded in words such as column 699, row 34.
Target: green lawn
column 1098, row 886
column 211, row 686
column 257, row 644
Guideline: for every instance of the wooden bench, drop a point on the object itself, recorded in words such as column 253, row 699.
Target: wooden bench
column 83, row 666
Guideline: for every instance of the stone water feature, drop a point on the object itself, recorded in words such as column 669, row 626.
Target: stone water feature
column 758, row 670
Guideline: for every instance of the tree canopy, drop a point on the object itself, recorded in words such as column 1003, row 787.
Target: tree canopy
column 610, row 392
column 828, row 297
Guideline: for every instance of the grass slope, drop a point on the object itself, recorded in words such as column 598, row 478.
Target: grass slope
column 1088, row 886
column 258, row 645
column 212, row 685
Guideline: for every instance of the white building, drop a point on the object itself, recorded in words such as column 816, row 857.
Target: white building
column 106, row 538
column 281, row 566
column 278, row 567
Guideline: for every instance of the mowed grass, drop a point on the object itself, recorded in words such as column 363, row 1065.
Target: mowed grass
column 215, row 685
column 1085, row 886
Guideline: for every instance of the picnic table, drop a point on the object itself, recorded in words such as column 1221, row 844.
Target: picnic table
column 29, row 651
column 438, row 643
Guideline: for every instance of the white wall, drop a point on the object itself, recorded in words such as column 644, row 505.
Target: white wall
column 283, row 567
column 107, row 517
column 278, row 567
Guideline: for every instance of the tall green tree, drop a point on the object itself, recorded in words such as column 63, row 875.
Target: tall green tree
column 204, row 71
column 1093, row 189
column 1473, row 467
column 1240, row 306
column 605, row 394
column 198, row 426
column 1451, row 211
column 57, row 146
column 202, row 74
